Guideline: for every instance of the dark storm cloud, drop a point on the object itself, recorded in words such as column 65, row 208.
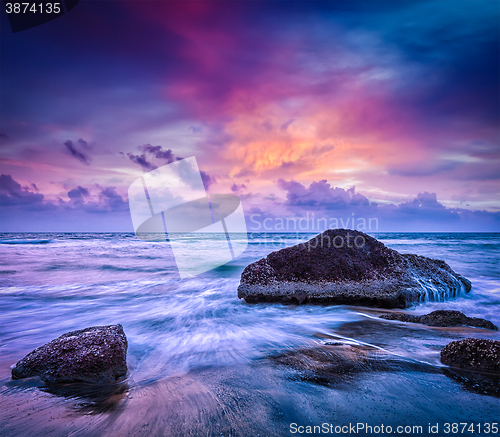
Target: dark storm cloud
column 76, row 153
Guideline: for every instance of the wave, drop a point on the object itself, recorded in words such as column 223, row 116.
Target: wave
column 20, row 241
column 134, row 269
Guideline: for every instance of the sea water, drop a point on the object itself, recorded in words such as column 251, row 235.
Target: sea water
column 54, row 283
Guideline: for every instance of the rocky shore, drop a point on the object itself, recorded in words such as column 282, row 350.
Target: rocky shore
column 473, row 354
column 342, row 266
column 93, row 355
column 443, row 318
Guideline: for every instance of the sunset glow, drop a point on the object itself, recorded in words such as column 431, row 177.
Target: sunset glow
column 396, row 100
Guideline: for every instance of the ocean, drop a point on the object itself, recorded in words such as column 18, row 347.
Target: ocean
column 199, row 357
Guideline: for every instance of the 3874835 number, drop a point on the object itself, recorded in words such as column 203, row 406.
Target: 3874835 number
column 32, row 7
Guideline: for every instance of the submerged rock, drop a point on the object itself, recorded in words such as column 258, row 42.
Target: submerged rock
column 473, row 354
column 335, row 361
column 342, row 266
column 474, row 382
column 92, row 355
column 443, row 318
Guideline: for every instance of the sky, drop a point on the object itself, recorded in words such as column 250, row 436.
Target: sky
column 379, row 116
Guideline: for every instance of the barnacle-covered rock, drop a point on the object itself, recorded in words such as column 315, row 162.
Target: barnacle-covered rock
column 443, row 318
column 342, row 266
column 92, row 355
column 473, row 354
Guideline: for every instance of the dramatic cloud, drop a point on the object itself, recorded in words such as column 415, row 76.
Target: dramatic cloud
column 77, row 153
column 162, row 157
column 320, row 206
column 142, row 161
column 11, row 193
column 394, row 98
column 238, row 187
column 320, row 195
column 78, row 193
column 152, row 152
column 112, row 200
column 313, row 209
column 158, row 153
column 99, row 210
column 424, row 208
column 106, row 199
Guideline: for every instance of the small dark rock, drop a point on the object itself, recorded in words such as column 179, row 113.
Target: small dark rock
column 402, row 317
column 443, row 318
column 473, row 354
column 343, row 266
column 92, row 355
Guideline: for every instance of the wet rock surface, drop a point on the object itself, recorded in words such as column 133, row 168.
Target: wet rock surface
column 342, row 266
column 443, row 318
column 336, row 361
column 473, row 354
column 481, row 383
column 337, row 364
column 92, row 355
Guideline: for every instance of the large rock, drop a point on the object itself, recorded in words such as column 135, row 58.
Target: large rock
column 473, row 354
column 443, row 318
column 342, row 266
column 93, row 355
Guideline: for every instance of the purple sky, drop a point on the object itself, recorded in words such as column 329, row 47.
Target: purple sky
column 337, row 110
